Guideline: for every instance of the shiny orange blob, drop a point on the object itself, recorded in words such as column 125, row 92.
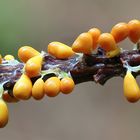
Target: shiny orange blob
column 33, row 66
column 52, row 86
column 107, row 42
column 134, row 30
column 67, row 85
column 83, row 44
column 95, row 33
column 120, row 31
column 26, row 52
column 60, row 50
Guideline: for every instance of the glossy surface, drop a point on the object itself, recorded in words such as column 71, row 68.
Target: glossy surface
column 23, row 88
column 120, row 31
column 33, row 66
column 95, row 32
column 107, row 42
column 27, row 52
column 3, row 114
column 38, row 89
column 131, row 88
column 83, row 43
column 67, row 85
column 60, row 50
column 52, row 86
column 134, row 30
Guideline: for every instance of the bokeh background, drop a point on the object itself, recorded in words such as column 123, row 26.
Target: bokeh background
column 92, row 111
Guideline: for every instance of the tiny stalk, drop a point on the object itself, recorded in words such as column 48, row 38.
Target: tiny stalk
column 130, row 68
column 57, row 71
column 1, row 90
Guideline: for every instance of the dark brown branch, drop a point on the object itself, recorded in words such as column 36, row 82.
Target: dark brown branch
column 96, row 67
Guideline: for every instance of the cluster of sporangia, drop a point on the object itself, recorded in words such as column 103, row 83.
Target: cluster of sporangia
column 85, row 43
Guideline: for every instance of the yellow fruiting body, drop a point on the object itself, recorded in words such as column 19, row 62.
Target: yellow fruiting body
column 95, row 32
column 107, row 42
column 23, row 88
column 134, row 30
column 131, row 88
column 67, row 85
column 38, row 89
column 9, row 57
column 7, row 98
column 52, row 86
column 4, row 114
column 0, row 59
column 26, row 52
column 60, row 50
column 83, row 44
column 120, row 31
column 33, row 66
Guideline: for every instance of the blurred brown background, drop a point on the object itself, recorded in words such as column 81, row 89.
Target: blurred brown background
column 91, row 111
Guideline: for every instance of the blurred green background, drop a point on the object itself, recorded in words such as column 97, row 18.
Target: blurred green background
column 91, row 111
